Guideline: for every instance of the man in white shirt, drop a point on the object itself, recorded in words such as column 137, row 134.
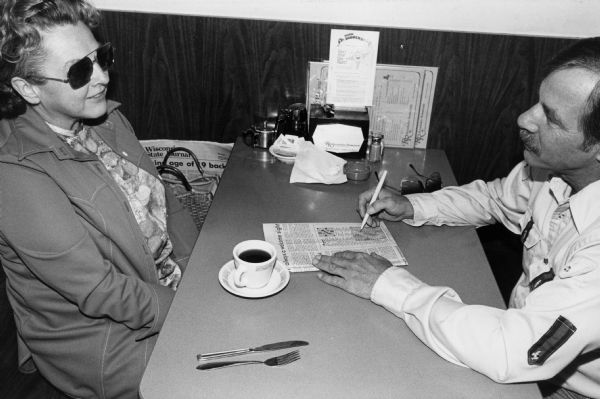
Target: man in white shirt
column 551, row 330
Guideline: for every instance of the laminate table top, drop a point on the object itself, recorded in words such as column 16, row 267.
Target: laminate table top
column 357, row 349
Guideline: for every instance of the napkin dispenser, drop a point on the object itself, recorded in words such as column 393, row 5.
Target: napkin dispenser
column 359, row 117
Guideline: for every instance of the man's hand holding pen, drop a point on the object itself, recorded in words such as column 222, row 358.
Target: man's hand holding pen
column 387, row 206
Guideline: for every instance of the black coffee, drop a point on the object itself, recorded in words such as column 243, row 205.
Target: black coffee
column 254, row 256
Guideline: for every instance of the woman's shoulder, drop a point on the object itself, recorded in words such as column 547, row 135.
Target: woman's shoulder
column 19, row 134
column 25, row 135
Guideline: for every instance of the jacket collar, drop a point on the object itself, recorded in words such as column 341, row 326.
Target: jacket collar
column 35, row 135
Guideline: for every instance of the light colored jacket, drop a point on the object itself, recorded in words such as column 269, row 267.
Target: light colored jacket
column 80, row 277
column 551, row 328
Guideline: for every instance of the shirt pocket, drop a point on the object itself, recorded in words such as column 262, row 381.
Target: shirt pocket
column 530, row 234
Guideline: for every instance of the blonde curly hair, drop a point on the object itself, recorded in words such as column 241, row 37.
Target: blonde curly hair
column 21, row 53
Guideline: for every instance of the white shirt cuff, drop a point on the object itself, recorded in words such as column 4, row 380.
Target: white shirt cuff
column 393, row 287
column 424, row 207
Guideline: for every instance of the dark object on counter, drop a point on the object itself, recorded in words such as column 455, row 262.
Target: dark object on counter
column 292, row 120
column 414, row 184
column 433, row 182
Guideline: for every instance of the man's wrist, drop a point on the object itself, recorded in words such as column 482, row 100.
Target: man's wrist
column 393, row 287
column 424, row 208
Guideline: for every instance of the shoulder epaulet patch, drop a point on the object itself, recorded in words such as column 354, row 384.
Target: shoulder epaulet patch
column 560, row 331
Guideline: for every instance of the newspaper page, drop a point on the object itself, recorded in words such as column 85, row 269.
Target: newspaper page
column 402, row 102
column 298, row 243
column 353, row 58
column 212, row 157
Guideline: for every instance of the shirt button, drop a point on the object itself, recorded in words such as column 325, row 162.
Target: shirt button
column 567, row 268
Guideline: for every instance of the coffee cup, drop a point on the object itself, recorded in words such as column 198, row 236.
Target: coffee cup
column 254, row 261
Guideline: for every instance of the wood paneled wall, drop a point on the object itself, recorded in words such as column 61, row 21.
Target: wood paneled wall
column 200, row 78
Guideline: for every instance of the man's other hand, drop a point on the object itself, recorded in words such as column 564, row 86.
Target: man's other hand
column 355, row 272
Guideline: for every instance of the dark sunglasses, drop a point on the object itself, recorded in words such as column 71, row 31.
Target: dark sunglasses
column 432, row 183
column 80, row 73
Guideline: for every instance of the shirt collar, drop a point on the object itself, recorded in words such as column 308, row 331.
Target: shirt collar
column 61, row 131
column 559, row 189
column 582, row 204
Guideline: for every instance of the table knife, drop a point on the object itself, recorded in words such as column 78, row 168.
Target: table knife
column 264, row 348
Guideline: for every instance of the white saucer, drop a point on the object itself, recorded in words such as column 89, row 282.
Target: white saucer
column 279, row 279
column 281, row 157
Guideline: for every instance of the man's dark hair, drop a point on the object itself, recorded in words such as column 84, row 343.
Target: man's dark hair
column 583, row 54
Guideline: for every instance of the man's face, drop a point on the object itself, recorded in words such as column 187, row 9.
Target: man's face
column 550, row 129
column 59, row 103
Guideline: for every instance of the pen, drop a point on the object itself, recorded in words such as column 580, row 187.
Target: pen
column 374, row 197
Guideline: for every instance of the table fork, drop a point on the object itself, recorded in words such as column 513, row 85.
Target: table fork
column 281, row 360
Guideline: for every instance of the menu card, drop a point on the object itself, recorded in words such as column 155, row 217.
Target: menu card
column 402, row 102
column 352, row 61
column 298, row 243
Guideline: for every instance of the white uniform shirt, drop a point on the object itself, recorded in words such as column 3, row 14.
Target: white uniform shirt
column 553, row 324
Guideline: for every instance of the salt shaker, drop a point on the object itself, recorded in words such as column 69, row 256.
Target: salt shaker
column 375, row 149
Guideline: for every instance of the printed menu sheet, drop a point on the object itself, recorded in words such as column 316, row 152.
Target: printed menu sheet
column 298, row 243
column 402, row 102
column 353, row 57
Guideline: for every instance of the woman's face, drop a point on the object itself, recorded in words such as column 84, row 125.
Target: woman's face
column 59, row 104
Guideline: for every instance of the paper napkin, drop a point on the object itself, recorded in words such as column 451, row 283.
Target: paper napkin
column 315, row 165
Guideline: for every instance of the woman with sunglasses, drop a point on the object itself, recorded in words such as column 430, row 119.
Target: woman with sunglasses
column 92, row 244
